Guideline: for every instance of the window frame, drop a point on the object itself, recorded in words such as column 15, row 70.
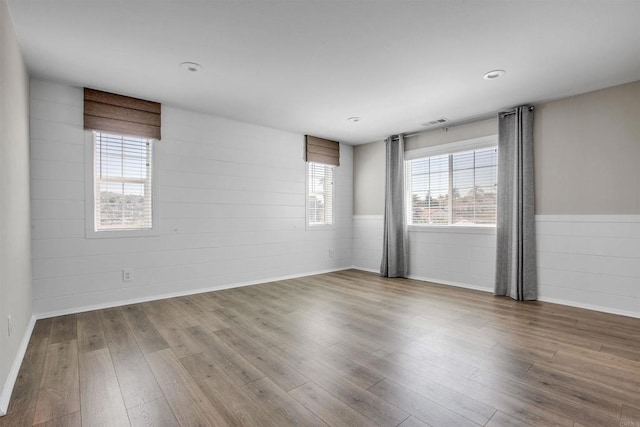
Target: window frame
column 320, row 226
column 490, row 141
column 90, row 195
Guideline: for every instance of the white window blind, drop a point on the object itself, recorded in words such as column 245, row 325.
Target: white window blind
column 453, row 189
column 475, row 184
column 429, row 190
column 320, row 181
column 122, row 180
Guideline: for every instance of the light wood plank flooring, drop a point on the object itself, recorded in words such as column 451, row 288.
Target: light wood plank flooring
column 340, row 349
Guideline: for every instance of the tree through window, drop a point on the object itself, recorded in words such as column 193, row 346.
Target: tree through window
column 453, row 189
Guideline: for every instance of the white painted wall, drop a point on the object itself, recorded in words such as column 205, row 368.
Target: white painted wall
column 367, row 242
column 15, row 259
column 232, row 210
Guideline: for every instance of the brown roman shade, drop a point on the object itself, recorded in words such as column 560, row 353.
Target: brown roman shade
column 322, row 151
column 108, row 112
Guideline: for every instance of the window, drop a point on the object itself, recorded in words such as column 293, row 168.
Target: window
column 122, row 197
column 458, row 188
column 320, row 194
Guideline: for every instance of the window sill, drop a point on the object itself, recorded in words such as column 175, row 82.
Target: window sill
column 461, row 229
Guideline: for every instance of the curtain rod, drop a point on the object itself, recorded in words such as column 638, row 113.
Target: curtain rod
column 508, row 113
column 445, row 128
column 477, row 119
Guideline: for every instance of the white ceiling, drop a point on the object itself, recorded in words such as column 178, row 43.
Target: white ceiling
column 307, row 65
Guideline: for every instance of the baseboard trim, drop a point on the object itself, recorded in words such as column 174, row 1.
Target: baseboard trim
column 370, row 270
column 450, row 283
column 591, row 307
column 82, row 309
column 5, row 396
column 430, row 280
column 542, row 299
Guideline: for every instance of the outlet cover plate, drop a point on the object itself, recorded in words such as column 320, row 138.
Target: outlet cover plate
column 127, row 275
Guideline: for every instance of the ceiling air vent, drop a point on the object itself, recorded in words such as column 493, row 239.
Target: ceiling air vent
column 435, row 122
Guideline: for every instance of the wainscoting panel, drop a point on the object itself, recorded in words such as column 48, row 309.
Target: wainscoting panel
column 590, row 261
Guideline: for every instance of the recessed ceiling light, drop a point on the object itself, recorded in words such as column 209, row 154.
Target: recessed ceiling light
column 495, row 74
column 353, row 119
column 191, row 66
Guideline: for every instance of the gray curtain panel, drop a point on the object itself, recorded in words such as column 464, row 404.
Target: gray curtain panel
column 516, row 273
column 395, row 259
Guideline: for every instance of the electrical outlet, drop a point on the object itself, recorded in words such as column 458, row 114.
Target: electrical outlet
column 127, row 275
column 330, row 252
column 10, row 324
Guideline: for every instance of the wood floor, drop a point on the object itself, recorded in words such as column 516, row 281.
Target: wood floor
column 341, row 349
